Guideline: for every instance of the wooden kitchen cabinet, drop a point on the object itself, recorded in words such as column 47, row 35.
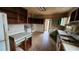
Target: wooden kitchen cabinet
column 24, row 45
column 12, row 44
column 22, row 15
column 15, row 15
column 72, row 18
column 35, row 21
column 59, row 45
column 12, row 21
column 28, row 43
column 22, row 11
column 10, row 9
column 22, row 19
column 75, row 15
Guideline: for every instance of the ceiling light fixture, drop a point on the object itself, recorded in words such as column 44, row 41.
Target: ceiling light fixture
column 42, row 9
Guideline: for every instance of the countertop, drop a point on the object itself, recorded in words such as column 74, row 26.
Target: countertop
column 70, row 46
column 70, row 42
column 60, row 32
column 21, row 37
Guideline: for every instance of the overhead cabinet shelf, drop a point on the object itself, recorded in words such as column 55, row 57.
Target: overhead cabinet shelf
column 74, row 15
column 15, row 15
column 35, row 21
column 74, row 19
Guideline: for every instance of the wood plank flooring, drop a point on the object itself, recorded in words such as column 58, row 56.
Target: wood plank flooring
column 42, row 42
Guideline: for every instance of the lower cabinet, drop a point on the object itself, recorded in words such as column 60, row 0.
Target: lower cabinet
column 28, row 43
column 59, row 46
column 24, row 45
column 58, row 43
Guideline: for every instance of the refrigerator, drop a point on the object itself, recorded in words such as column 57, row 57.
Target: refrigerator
column 4, row 38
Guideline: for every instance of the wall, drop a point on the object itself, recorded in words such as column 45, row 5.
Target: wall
column 15, row 28
column 27, row 28
column 18, row 28
column 37, row 27
column 33, row 27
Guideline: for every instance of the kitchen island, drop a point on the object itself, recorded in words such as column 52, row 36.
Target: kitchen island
column 22, row 40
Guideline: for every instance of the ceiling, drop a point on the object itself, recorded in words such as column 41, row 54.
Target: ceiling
column 49, row 10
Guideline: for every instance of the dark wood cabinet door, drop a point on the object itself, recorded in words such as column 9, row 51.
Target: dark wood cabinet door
column 12, row 21
column 28, row 43
column 11, row 12
column 10, row 9
column 73, row 14
column 41, row 21
column 77, row 15
column 15, row 15
column 22, row 11
column 22, row 15
column 22, row 18
column 12, row 18
column 35, row 21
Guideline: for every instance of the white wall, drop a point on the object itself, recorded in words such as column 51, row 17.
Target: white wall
column 33, row 27
column 15, row 28
column 38, row 27
column 18, row 28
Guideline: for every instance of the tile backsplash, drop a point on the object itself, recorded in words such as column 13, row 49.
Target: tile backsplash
column 15, row 28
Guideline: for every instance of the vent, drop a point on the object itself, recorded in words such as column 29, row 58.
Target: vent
column 42, row 8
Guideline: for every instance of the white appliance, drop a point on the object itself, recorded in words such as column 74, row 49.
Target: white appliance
column 4, row 38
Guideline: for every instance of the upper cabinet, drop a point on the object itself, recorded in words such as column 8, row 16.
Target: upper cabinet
column 15, row 15
column 22, row 15
column 35, row 20
column 77, row 14
column 74, row 15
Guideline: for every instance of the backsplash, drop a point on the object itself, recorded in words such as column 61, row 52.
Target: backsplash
column 27, row 28
column 15, row 28
column 37, row 27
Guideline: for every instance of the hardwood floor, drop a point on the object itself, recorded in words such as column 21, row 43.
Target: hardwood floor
column 42, row 42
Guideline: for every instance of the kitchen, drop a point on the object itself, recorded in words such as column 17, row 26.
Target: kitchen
column 19, row 25
column 16, row 30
